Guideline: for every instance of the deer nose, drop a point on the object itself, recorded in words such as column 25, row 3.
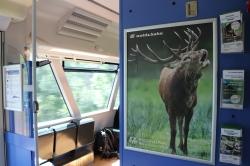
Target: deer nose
column 203, row 54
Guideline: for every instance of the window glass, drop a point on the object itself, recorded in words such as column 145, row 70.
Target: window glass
column 51, row 103
column 86, row 65
column 91, row 90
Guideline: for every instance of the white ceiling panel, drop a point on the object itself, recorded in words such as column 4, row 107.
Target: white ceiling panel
column 4, row 23
column 101, row 10
column 26, row 3
column 112, row 5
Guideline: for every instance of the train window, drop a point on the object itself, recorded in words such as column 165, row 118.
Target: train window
column 91, row 84
column 89, row 66
column 51, row 102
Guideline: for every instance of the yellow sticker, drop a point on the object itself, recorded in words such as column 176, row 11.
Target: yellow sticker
column 191, row 8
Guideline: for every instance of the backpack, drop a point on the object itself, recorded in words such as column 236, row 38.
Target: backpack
column 106, row 143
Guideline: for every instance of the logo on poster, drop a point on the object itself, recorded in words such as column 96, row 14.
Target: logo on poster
column 132, row 36
column 146, row 35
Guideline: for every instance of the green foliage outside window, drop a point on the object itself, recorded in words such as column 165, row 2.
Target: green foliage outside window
column 91, row 90
column 51, row 103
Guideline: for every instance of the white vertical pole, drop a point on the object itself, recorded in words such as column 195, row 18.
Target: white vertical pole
column 34, row 53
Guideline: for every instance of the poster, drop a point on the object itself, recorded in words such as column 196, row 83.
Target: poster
column 232, row 91
column 231, row 145
column 232, row 36
column 169, row 83
column 13, row 97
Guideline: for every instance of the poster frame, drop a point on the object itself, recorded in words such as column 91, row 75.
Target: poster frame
column 214, row 100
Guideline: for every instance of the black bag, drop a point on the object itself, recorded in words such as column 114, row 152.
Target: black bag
column 116, row 119
column 106, row 143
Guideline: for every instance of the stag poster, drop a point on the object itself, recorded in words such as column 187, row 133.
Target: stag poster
column 169, row 90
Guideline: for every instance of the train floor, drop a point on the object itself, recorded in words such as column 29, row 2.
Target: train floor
column 98, row 161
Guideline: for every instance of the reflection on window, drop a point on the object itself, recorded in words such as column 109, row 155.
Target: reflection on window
column 51, row 103
column 91, row 84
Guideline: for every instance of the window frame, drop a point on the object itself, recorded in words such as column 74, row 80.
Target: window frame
column 76, row 69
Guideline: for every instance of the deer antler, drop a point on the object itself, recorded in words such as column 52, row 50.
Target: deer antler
column 158, row 57
column 192, row 42
column 137, row 50
column 134, row 57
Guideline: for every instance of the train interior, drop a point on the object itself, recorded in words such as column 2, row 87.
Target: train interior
column 77, row 74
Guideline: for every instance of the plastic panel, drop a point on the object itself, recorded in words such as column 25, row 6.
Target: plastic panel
column 45, row 143
column 149, row 12
column 85, row 132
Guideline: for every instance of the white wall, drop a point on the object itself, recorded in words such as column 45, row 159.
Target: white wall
column 16, row 39
column 105, row 119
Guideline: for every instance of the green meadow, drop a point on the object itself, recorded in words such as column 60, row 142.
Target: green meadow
column 147, row 119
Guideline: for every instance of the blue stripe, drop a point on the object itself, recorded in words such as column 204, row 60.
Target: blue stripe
column 11, row 121
column 20, row 141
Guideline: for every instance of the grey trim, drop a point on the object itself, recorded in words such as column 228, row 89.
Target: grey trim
column 34, row 101
column 2, row 145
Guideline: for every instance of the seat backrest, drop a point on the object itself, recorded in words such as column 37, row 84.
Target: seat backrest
column 86, row 132
column 65, row 138
column 61, row 139
column 45, row 143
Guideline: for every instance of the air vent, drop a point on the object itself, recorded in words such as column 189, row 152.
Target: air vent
column 82, row 25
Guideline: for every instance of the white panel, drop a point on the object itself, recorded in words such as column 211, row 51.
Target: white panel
column 110, row 4
column 98, row 10
column 104, row 119
column 13, row 10
column 4, row 23
column 26, row 3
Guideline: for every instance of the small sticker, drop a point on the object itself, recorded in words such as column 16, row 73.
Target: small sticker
column 191, row 8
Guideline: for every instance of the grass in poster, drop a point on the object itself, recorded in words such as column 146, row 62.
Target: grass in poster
column 148, row 124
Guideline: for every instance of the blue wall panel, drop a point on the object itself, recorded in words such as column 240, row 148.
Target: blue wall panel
column 18, row 156
column 20, row 148
column 135, row 13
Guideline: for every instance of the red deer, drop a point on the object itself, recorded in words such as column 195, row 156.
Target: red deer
column 178, row 82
